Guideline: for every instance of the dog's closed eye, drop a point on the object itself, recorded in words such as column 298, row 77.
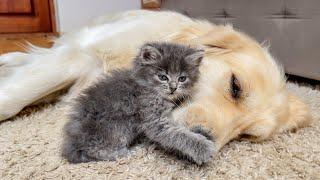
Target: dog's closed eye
column 235, row 87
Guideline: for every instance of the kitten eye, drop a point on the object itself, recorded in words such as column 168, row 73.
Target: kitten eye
column 182, row 78
column 235, row 87
column 163, row 77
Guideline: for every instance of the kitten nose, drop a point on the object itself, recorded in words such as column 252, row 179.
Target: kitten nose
column 172, row 89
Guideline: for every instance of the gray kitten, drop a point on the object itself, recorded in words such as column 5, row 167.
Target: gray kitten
column 119, row 108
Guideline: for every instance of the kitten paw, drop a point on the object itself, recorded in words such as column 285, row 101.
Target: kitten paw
column 203, row 131
column 203, row 151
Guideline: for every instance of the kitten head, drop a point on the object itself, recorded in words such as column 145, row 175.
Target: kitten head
column 169, row 69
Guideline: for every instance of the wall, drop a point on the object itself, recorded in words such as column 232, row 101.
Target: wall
column 73, row 14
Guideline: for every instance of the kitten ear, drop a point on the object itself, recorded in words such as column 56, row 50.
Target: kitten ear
column 196, row 57
column 149, row 54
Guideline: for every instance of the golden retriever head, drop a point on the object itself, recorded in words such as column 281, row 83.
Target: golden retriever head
column 242, row 89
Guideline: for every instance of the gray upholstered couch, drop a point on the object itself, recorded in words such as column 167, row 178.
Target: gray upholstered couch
column 291, row 26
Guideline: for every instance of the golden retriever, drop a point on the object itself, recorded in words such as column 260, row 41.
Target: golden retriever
column 241, row 90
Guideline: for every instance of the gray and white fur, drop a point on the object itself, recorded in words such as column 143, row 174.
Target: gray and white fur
column 110, row 115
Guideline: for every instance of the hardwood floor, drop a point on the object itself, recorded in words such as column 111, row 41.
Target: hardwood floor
column 18, row 42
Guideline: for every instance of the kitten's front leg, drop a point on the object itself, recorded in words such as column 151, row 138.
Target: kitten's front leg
column 178, row 138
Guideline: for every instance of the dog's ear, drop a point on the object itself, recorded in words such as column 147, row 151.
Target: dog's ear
column 223, row 39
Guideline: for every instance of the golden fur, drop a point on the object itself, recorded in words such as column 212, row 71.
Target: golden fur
column 265, row 106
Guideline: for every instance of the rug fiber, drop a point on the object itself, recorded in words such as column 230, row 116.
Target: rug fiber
column 30, row 149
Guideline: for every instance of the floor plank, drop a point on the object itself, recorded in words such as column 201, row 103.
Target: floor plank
column 18, row 42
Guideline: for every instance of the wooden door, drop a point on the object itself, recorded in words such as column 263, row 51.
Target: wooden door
column 26, row 16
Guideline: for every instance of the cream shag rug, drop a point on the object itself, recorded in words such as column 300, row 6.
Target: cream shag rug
column 30, row 149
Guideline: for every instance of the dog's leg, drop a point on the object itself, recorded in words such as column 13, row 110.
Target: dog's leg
column 25, row 78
